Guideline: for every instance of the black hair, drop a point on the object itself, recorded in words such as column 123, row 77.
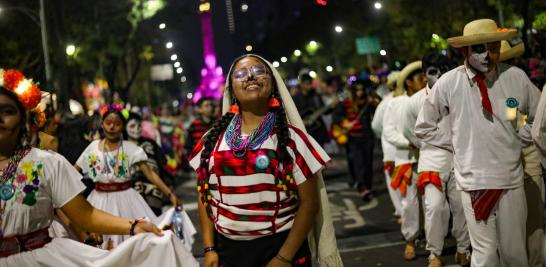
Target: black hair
column 134, row 116
column 20, row 108
column 306, row 78
column 410, row 76
column 202, row 100
column 443, row 63
column 117, row 112
column 219, row 126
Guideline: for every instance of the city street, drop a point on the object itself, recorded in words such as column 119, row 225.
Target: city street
column 367, row 232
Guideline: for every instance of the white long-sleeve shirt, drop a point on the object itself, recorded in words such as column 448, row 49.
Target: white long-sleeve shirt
column 389, row 150
column 431, row 158
column 393, row 129
column 487, row 149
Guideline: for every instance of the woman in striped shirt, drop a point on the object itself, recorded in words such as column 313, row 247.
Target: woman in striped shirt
column 258, row 175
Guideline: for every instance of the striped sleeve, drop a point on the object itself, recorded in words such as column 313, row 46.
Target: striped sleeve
column 309, row 156
column 195, row 156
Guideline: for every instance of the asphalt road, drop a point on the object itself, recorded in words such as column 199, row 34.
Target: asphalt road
column 367, row 233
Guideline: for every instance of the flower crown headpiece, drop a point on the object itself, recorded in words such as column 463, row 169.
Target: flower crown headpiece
column 114, row 107
column 28, row 94
column 26, row 90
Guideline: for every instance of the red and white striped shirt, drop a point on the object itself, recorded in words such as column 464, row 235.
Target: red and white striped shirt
column 246, row 203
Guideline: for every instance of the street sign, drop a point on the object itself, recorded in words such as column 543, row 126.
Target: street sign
column 367, row 45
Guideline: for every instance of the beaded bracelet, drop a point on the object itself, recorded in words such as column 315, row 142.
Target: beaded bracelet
column 283, row 259
column 208, row 249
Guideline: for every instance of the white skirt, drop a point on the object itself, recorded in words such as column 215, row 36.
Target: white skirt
column 128, row 204
column 139, row 251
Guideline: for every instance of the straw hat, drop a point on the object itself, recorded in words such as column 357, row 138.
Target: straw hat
column 507, row 52
column 481, row 31
column 403, row 75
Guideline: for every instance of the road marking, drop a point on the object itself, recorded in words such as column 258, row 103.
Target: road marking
column 370, row 205
column 363, row 248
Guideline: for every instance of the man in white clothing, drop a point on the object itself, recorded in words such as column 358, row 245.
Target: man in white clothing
column 389, row 150
column 481, row 101
column 436, row 182
column 410, row 80
column 533, row 181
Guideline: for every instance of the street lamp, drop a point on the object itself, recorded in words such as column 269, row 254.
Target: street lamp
column 378, row 5
column 70, row 50
column 244, row 7
column 338, row 29
column 183, row 79
column 329, row 68
column 162, row 26
column 284, row 59
column 248, row 48
column 276, row 64
column 177, row 64
column 383, row 52
column 297, row 53
column 169, row 45
column 179, row 70
column 174, row 57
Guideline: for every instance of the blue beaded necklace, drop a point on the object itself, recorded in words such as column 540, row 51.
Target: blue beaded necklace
column 240, row 145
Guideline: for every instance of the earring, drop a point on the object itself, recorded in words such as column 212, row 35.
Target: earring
column 273, row 102
column 234, row 109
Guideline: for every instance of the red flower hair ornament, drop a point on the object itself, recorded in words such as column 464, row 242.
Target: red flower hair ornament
column 27, row 92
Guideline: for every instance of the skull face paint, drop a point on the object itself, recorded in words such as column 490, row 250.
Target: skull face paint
column 478, row 58
column 433, row 74
column 134, row 129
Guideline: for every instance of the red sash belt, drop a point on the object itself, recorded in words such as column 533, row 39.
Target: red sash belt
column 27, row 242
column 402, row 178
column 388, row 166
column 112, row 187
column 428, row 177
column 483, row 202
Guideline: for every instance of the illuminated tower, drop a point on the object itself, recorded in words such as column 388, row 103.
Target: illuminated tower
column 212, row 76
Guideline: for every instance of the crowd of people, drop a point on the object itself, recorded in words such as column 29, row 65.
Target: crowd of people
column 462, row 141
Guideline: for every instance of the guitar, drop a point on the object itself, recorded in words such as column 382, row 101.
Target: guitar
column 340, row 132
column 312, row 118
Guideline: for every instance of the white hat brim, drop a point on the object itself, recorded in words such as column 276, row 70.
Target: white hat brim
column 403, row 75
column 481, row 38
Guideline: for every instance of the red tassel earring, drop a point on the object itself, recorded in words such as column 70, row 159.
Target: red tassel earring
column 234, row 109
column 273, row 102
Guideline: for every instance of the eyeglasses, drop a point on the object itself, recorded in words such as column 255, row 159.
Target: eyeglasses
column 258, row 70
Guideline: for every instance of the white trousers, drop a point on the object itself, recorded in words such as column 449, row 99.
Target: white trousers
column 502, row 233
column 534, row 193
column 396, row 198
column 410, row 210
column 438, row 205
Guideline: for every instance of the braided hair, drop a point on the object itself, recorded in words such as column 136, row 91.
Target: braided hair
column 283, row 179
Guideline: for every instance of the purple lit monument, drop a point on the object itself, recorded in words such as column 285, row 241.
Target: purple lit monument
column 212, row 76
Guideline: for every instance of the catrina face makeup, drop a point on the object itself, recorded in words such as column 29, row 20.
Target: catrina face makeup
column 484, row 57
column 433, row 74
column 134, row 129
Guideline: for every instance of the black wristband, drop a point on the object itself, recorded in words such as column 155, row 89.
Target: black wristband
column 133, row 225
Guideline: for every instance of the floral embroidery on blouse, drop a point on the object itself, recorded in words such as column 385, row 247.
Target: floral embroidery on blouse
column 27, row 181
column 116, row 163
